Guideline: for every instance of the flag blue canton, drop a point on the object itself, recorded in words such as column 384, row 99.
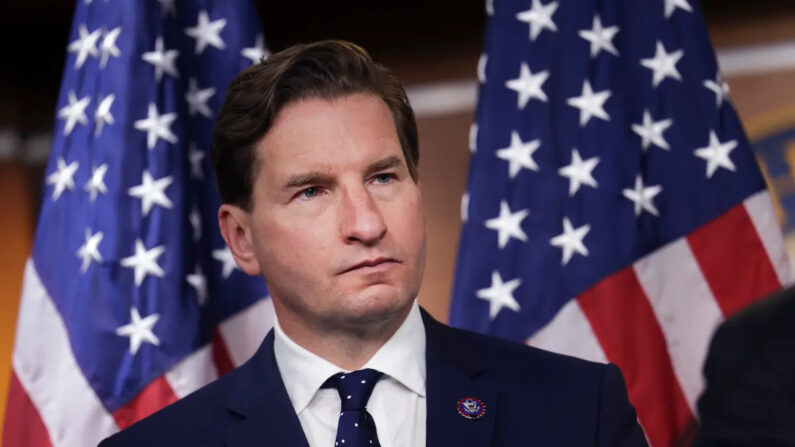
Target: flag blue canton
column 603, row 131
column 127, row 242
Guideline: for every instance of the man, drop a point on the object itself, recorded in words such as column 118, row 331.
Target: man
column 315, row 153
column 750, row 371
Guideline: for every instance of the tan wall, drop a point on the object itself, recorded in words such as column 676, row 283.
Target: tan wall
column 16, row 229
column 444, row 157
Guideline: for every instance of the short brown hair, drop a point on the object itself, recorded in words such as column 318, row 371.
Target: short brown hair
column 327, row 69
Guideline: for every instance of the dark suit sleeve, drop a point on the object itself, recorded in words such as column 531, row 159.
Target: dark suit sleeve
column 618, row 423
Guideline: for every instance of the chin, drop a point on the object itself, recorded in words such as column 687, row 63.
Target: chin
column 378, row 302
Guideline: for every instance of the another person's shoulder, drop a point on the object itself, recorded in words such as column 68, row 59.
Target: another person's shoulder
column 197, row 419
column 763, row 316
column 750, row 366
column 756, row 332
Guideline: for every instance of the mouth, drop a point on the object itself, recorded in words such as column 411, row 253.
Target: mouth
column 372, row 265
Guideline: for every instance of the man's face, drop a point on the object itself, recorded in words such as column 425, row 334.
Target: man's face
column 337, row 226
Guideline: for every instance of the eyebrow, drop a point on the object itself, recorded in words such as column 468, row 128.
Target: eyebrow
column 387, row 163
column 310, row 178
column 317, row 177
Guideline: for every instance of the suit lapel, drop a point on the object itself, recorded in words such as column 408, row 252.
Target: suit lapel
column 261, row 401
column 452, row 375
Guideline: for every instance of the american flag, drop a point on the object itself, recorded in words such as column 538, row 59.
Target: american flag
column 131, row 299
column 614, row 210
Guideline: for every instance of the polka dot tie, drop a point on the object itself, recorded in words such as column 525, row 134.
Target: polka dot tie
column 356, row 427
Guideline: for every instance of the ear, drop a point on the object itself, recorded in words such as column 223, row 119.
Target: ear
column 235, row 224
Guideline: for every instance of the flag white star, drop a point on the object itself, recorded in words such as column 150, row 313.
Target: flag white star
column 482, row 61
column 719, row 87
column 643, row 197
column 473, row 138
column 197, row 99
column 195, row 157
column 528, row 85
column 85, row 45
column 508, row 225
column 199, row 282
column 465, row 207
column 590, row 104
column 62, row 178
column 144, row 261
column 228, row 264
column 717, row 154
column 163, row 60
column 579, row 172
column 258, row 52
column 599, row 37
column 108, row 46
column 96, row 184
column 102, row 115
column 157, row 126
column 74, row 112
column 651, row 132
column 207, row 33
column 89, row 251
column 663, row 64
column 152, row 192
column 168, row 8
column 195, row 222
column 490, row 7
column 519, row 155
column 139, row 330
column 571, row 240
column 539, row 17
column 672, row 5
column 500, row 295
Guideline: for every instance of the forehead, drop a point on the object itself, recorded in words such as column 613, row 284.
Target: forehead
column 349, row 129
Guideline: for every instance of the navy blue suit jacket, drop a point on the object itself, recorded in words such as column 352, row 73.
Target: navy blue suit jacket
column 750, row 371
column 532, row 398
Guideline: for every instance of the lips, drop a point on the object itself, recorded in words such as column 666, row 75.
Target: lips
column 369, row 264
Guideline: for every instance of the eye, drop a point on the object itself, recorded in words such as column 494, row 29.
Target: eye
column 383, row 178
column 310, row 192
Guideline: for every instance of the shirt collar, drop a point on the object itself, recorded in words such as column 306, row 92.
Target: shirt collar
column 402, row 357
column 302, row 371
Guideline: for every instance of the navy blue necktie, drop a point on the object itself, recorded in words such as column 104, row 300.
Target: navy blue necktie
column 356, row 427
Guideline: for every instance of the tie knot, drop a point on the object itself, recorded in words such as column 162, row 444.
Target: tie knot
column 354, row 387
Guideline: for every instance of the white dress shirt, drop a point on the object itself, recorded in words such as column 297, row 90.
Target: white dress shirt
column 398, row 400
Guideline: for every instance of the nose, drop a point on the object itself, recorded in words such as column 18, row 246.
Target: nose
column 361, row 220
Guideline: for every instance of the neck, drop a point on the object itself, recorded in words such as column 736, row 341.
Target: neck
column 348, row 346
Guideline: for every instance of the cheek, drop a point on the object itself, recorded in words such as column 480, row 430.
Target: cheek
column 409, row 224
column 289, row 252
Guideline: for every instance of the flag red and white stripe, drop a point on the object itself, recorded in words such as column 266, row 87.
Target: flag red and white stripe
column 46, row 378
column 656, row 318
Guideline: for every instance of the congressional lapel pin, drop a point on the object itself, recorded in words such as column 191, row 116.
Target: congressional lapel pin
column 471, row 408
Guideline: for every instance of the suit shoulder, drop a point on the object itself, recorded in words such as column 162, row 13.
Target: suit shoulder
column 577, row 393
column 197, row 419
column 514, row 360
